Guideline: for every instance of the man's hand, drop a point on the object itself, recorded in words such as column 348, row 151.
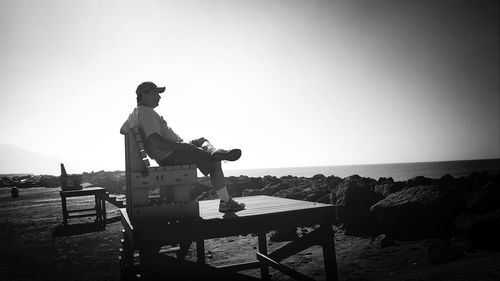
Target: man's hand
column 198, row 142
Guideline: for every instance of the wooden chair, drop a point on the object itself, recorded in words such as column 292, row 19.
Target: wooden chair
column 152, row 193
column 156, row 192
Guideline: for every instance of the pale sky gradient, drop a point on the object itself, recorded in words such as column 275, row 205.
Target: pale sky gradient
column 291, row 83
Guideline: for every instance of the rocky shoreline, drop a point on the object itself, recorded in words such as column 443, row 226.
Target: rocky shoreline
column 419, row 229
column 465, row 209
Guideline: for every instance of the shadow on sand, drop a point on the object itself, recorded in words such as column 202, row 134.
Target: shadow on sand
column 81, row 228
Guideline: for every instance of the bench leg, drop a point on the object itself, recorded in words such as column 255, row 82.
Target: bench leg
column 329, row 255
column 64, row 210
column 264, row 269
column 200, row 251
column 103, row 211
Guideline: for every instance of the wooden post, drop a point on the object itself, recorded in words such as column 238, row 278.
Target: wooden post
column 103, row 201
column 329, row 256
column 264, row 269
column 200, row 251
column 64, row 210
column 148, row 257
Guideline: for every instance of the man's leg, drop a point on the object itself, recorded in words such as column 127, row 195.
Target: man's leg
column 218, row 181
column 217, row 154
column 201, row 158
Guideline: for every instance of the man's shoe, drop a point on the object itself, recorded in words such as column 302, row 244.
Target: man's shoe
column 230, row 206
column 228, row 155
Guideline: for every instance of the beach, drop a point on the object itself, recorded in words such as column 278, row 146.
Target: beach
column 36, row 247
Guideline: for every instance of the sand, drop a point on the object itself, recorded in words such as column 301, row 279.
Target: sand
column 35, row 247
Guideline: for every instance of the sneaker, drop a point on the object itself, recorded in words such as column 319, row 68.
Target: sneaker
column 230, row 206
column 228, row 155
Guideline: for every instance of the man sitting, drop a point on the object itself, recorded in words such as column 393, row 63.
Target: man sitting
column 167, row 148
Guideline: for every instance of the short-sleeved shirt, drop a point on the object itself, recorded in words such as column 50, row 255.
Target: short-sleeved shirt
column 151, row 122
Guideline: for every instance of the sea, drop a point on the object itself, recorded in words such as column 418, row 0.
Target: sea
column 398, row 171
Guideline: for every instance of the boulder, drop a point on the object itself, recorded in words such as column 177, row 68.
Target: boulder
column 236, row 185
column 441, row 251
column 280, row 235
column 475, row 181
column 14, row 192
column 291, row 193
column 482, row 229
column 324, row 199
column 199, row 189
column 252, row 192
column 418, row 181
column 384, row 241
column 353, row 198
column 483, row 201
column 387, row 187
column 271, row 189
column 270, row 180
column 332, row 182
column 385, row 180
column 419, row 212
column 319, row 177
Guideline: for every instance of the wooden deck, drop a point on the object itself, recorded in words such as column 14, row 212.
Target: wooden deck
column 262, row 214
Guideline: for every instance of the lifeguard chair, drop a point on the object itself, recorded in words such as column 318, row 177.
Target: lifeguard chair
column 156, row 192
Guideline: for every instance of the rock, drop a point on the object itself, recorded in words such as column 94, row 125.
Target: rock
column 199, row 189
column 353, row 198
column 385, row 180
column 281, row 235
column 207, row 195
column 332, row 182
column 270, row 180
column 494, row 183
column 14, row 192
column 463, row 243
column 384, row 241
column 475, row 181
column 318, row 176
column 482, row 229
column 236, row 185
column 272, row 189
column 483, row 201
column 447, row 180
column 418, row 181
column 388, row 187
column 252, row 192
column 440, row 251
column 419, row 212
column 291, row 193
column 324, row 199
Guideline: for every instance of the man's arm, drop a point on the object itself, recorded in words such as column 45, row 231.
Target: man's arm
column 162, row 144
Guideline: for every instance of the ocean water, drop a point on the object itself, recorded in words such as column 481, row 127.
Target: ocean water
column 398, row 171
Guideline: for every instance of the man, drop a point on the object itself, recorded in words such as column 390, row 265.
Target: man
column 167, row 148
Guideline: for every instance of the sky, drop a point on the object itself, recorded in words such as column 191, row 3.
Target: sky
column 291, row 83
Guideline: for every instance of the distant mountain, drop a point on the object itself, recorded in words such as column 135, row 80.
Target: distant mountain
column 15, row 160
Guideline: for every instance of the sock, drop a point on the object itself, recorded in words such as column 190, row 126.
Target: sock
column 223, row 195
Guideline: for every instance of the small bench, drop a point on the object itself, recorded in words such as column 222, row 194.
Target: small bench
column 99, row 209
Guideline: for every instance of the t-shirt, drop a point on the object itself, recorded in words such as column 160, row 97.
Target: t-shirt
column 150, row 122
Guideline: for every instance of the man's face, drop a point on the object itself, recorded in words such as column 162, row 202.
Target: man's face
column 151, row 98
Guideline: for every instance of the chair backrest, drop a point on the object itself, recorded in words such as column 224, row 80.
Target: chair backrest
column 139, row 161
column 135, row 160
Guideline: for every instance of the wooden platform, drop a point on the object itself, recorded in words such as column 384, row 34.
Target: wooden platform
column 262, row 214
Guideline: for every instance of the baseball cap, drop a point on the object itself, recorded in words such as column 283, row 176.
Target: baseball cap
column 146, row 87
